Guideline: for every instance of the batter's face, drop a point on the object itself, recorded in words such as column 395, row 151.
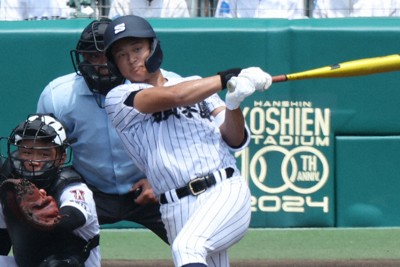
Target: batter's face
column 130, row 55
column 34, row 155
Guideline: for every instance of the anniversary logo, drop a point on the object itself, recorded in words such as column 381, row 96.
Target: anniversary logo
column 287, row 158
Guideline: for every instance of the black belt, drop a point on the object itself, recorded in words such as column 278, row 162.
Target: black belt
column 196, row 186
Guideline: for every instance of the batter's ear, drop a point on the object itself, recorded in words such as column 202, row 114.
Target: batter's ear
column 153, row 62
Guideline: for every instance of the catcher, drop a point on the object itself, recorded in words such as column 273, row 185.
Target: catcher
column 48, row 215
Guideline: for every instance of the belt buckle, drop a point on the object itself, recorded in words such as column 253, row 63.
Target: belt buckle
column 192, row 186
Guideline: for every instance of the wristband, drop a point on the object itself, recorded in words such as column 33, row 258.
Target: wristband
column 227, row 74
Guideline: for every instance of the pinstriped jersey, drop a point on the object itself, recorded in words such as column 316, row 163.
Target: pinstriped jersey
column 174, row 146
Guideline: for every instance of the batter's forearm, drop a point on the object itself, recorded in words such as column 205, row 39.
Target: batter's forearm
column 233, row 128
column 187, row 93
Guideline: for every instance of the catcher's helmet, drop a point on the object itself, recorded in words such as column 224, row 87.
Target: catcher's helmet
column 38, row 128
column 91, row 41
column 133, row 26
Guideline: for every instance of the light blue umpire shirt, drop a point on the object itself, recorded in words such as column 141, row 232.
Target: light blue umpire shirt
column 98, row 153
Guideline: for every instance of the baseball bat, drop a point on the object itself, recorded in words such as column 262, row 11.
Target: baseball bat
column 359, row 67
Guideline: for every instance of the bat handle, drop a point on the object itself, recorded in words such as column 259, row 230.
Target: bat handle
column 231, row 85
column 279, row 78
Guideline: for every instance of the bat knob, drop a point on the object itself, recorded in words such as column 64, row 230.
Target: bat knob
column 231, row 85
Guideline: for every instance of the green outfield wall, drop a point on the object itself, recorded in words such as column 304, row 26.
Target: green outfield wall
column 324, row 152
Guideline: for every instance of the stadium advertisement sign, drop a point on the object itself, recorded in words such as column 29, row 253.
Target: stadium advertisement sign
column 289, row 162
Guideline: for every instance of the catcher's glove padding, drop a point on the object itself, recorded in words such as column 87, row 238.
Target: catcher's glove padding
column 28, row 204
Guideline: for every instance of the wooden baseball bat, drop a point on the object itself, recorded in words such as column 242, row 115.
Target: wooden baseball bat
column 357, row 67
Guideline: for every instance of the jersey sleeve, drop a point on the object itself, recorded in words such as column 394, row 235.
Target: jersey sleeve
column 78, row 196
column 214, row 102
column 124, row 116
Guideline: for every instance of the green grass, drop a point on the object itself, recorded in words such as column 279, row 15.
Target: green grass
column 273, row 244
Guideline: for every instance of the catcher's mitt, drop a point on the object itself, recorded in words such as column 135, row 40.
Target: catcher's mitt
column 28, row 204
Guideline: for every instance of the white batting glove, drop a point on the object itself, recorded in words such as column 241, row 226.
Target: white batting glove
column 261, row 80
column 244, row 88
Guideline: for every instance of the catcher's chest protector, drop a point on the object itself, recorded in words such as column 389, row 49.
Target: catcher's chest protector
column 66, row 177
column 32, row 246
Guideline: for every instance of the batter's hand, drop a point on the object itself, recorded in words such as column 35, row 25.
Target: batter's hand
column 260, row 79
column 146, row 196
column 244, row 88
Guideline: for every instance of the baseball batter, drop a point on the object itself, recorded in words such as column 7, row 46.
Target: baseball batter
column 37, row 150
column 77, row 101
column 178, row 132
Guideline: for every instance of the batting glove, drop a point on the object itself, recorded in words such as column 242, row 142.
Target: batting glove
column 244, row 88
column 261, row 80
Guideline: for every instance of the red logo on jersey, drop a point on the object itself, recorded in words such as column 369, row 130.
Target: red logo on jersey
column 78, row 195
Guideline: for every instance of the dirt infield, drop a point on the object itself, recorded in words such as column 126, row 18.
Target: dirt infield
column 264, row 263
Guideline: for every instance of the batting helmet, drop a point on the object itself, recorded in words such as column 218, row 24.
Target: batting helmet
column 92, row 41
column 133, row 26
column 38, row 127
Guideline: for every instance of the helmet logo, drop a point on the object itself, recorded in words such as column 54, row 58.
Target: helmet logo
column 119, row 28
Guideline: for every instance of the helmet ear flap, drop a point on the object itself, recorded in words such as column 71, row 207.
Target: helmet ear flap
column 153, row 62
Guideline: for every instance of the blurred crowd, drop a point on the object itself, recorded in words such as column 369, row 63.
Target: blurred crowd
column 290, row 9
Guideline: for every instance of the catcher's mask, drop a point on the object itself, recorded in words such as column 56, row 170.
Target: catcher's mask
column 38, row 141
column 99, row 79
